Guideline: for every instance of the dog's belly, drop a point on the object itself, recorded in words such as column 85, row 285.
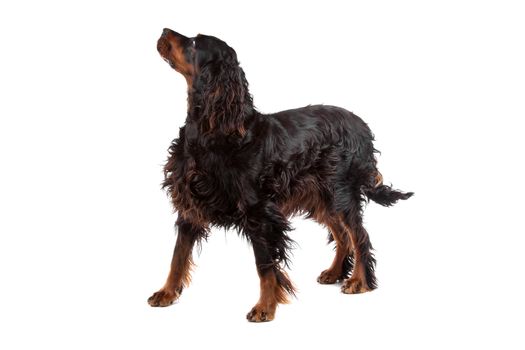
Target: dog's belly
column 308, row 197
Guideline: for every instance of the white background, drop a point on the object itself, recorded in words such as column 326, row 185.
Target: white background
column 88, row 109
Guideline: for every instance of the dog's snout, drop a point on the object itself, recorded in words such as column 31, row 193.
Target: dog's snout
column 171, row 34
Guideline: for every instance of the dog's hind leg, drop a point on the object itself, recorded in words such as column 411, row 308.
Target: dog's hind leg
column 363, row 277
column 181, row 264
column 266, row 229
column 343, row 260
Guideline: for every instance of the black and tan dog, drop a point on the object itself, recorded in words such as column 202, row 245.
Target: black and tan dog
column 234, row 167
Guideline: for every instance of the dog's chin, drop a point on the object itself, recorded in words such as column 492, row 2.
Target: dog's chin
column 168, row 61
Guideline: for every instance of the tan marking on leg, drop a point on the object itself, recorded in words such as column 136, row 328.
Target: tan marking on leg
column 334, row 272
column 179, row 275
column 357, row 282
column 271, row 295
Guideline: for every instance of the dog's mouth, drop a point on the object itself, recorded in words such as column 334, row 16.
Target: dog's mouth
column 164, row 47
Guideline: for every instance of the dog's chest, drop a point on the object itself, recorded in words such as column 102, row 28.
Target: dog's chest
column 206, row 188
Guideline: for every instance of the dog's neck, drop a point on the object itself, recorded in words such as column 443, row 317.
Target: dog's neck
column 198, row 109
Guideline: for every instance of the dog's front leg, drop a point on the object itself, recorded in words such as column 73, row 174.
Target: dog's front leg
column 181, row 264
column 266, row 230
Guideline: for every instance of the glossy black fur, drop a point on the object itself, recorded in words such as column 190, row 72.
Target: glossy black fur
column 235, row 167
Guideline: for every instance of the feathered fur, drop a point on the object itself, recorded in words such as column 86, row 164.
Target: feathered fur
column 234, row 167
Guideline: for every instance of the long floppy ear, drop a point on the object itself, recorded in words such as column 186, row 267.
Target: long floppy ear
column 225, row 96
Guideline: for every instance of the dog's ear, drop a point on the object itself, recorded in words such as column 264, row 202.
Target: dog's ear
column 225, row 95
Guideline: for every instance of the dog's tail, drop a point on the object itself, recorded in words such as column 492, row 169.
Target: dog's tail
column 382, row 194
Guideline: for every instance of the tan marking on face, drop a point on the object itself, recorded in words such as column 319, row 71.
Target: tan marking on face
column 175, row 56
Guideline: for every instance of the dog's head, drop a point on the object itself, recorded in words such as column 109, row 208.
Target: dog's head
column 211, row 68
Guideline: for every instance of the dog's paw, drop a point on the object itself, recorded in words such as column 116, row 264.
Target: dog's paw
column 354, row 286
column 261, row 314
column 163, row 298
column 328, row 277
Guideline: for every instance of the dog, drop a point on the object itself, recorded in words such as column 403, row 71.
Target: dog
column 234, row 167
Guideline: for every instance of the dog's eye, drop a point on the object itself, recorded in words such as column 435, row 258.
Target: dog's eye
column 193, row 42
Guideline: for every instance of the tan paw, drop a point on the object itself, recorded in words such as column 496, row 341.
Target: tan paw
column 328, row 277
column 163, row 298
column 261, row 314
column 354, row 286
